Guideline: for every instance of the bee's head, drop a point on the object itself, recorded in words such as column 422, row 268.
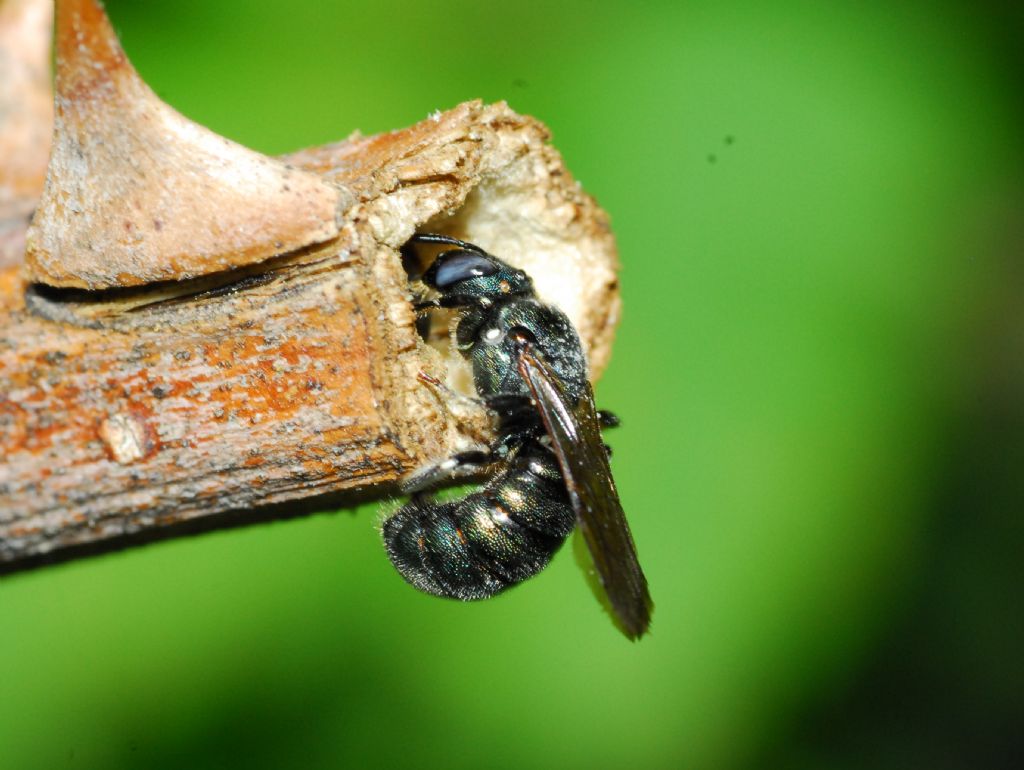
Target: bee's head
column 476, row 275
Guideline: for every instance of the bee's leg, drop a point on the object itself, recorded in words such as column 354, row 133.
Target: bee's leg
column 424, row 323
column 460, row 465
column 421, row 306
column 448, row 393
column 516, row 414
column 608, row 420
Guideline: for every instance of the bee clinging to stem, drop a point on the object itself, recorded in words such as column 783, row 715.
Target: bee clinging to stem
column 548, row 466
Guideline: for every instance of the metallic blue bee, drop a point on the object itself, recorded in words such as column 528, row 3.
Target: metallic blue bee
column 548, row 467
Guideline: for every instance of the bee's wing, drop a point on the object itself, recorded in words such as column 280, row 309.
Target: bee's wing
column 576, row 438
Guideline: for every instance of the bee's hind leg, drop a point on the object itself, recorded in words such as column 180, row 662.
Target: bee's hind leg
column 461, row 465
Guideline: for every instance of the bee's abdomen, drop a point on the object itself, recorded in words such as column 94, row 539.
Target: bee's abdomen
column 489, row 540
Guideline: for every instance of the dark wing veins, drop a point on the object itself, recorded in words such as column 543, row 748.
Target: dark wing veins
column 576, row 439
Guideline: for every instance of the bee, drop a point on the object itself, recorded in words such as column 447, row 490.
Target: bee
column 547, row 471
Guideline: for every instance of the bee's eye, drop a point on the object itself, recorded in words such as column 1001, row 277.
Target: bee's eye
column 454, row 266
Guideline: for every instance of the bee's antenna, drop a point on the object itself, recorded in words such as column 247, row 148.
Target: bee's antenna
column 447, row 240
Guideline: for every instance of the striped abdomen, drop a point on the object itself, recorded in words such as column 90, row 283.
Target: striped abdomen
column 490, row 539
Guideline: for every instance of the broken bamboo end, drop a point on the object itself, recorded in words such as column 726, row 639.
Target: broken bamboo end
column 136, row 193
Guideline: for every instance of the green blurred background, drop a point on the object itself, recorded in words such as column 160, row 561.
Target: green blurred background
column 820, row 372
